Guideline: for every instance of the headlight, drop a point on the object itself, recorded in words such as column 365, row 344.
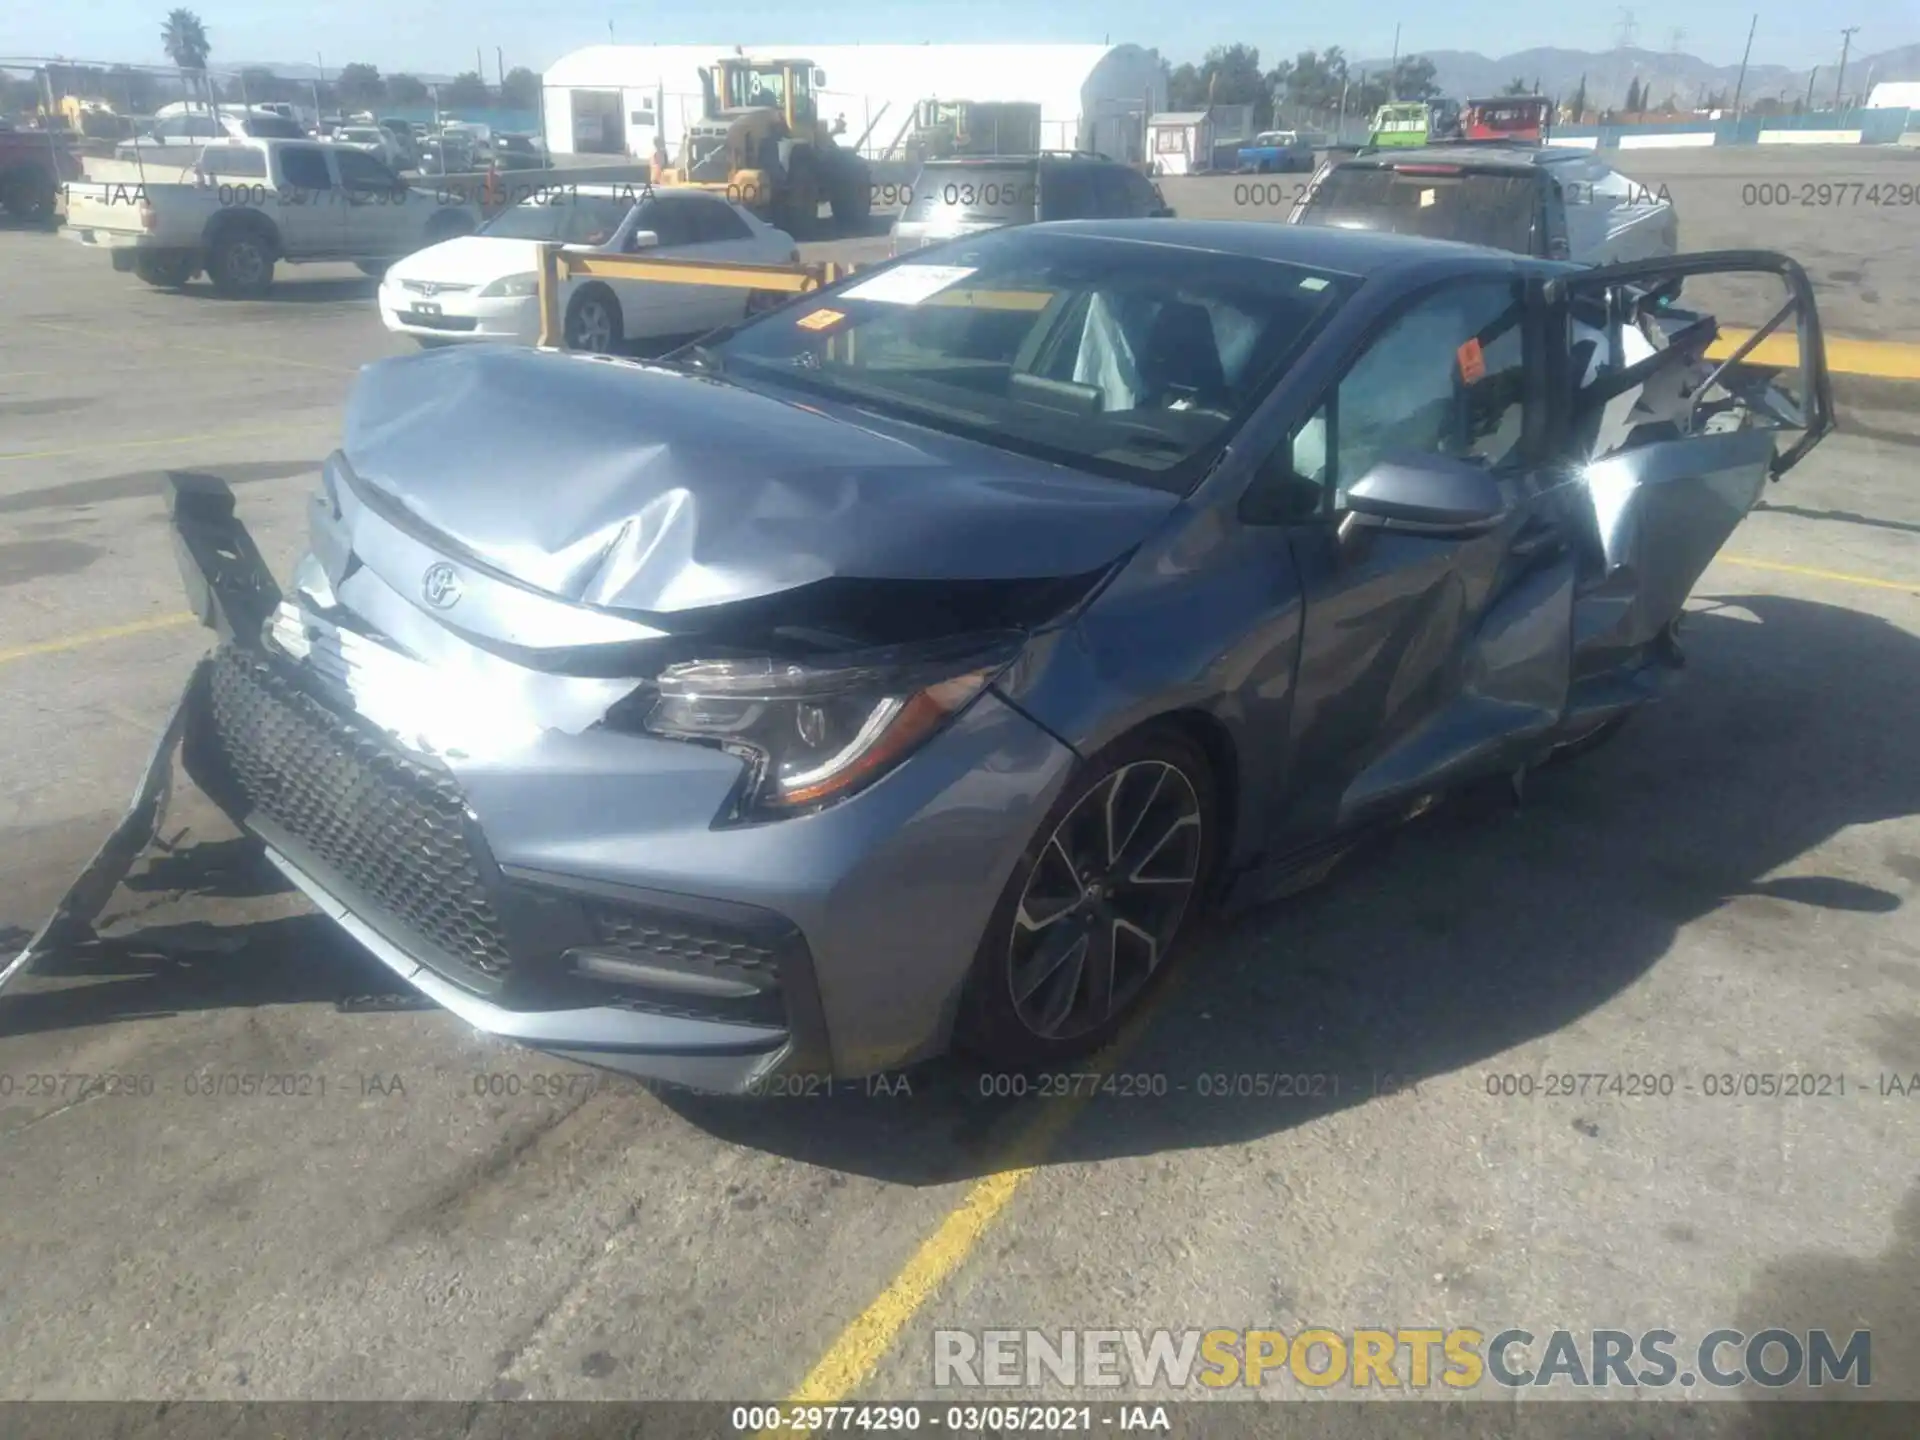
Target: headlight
column 514, row 285
column 817, row 733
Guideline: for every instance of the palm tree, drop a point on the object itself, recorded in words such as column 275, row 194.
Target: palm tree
column 184, row 39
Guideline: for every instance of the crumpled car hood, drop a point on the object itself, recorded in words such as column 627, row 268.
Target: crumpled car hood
column 645, row 489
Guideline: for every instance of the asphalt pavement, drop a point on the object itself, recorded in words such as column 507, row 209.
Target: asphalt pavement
column 409, row 1210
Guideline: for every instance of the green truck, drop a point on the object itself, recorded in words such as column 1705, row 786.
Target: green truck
column 1399, row 123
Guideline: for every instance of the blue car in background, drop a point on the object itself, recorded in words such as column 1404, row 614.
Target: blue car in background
column 1279, row 151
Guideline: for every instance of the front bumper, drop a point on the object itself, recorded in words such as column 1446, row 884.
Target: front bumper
column 460, row 316
column 576, row 894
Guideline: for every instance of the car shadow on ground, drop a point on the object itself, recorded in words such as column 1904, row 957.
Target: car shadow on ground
column 296, row 290
column 1473, row 931
column 1476, row 929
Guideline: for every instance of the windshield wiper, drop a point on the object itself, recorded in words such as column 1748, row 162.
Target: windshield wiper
column 698, row 356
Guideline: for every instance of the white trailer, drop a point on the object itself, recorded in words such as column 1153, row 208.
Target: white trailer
column 616, row 99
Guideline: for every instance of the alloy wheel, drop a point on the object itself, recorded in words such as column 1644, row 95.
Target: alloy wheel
column 592, row 328
column 1105, row 900
column 244, row 262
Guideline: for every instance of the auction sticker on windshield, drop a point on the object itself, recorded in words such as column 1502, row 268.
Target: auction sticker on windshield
column 908, row 284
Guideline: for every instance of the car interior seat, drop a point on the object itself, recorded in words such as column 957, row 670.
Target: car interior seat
column 1180, row 359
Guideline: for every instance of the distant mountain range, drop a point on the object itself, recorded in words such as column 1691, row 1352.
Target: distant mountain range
column 1465, row 74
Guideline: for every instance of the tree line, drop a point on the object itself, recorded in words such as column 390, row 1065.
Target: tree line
column 1314, row 85
column 1319, row 86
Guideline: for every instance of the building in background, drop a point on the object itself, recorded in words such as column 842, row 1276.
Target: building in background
column 1180, row 142
column 617, row 99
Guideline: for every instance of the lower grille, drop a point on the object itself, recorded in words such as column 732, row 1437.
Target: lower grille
column 391, row 828
column 438, row 322
column 700, row 949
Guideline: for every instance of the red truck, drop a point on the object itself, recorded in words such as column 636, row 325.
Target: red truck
column 34, row 165
column 1511, row 117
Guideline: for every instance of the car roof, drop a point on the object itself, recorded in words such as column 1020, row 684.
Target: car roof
column 639, row 190
column 1489, row 155
column 1361, row 253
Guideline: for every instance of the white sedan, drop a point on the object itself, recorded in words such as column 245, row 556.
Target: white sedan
column 484, row 286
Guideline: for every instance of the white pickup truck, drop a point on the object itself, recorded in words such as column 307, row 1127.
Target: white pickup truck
column 248, row 204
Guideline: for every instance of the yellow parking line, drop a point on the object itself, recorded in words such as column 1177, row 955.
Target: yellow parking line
column 154, row 441
column 851, row 1360
column 91, row 637
column 225, row 352
column 1886, row 359
column 1910, row 587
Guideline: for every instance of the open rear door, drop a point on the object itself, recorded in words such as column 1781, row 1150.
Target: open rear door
column 1675, row 426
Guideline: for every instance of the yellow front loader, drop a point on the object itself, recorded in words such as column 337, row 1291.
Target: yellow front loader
column 763, row 142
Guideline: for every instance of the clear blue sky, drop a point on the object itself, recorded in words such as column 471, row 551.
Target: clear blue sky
column 439, row 36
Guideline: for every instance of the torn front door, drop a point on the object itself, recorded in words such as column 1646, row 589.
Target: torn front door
column 1670, row 444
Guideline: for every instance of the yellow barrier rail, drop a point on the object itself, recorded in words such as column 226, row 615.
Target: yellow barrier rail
column 558, row 264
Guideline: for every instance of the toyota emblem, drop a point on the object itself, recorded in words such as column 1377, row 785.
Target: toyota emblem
column 441, row 586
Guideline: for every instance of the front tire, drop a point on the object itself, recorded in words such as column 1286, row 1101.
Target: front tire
column 852, row 199
column 241, row 264
column 1097, row 905
column 593, row 323
column 373, row 269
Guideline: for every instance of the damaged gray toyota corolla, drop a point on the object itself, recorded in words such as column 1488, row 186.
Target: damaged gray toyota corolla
column 910, row 665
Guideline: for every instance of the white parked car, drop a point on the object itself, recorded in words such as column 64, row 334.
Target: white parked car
column 484, row 286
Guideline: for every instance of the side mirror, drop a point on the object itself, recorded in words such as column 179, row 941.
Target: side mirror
column 643, row 240
column 819, row 79
column 1427, row 495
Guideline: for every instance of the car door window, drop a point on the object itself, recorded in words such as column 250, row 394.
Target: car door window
column 1145, row 200
column 1447, row 377
column 1067, row 193
column 714, row 222
column 672, row 219
column 361, row 172
column 305, row 169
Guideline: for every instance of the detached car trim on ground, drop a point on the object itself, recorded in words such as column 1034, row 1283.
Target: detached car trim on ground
column 909, row 665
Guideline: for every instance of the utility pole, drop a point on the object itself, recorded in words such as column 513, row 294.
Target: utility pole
column 1846, row 43
column 1393, row 68
column 1741, row 83
column 500, row 69
column 1807, row 105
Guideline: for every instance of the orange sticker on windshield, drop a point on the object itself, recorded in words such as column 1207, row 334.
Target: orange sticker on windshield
column 1473, row 363
column 821, row 319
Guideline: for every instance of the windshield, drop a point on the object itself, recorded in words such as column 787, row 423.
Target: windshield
column 973, row 192
column 750, row 88
column 1493, row 208
column 561, row 218
column 1123, row 359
